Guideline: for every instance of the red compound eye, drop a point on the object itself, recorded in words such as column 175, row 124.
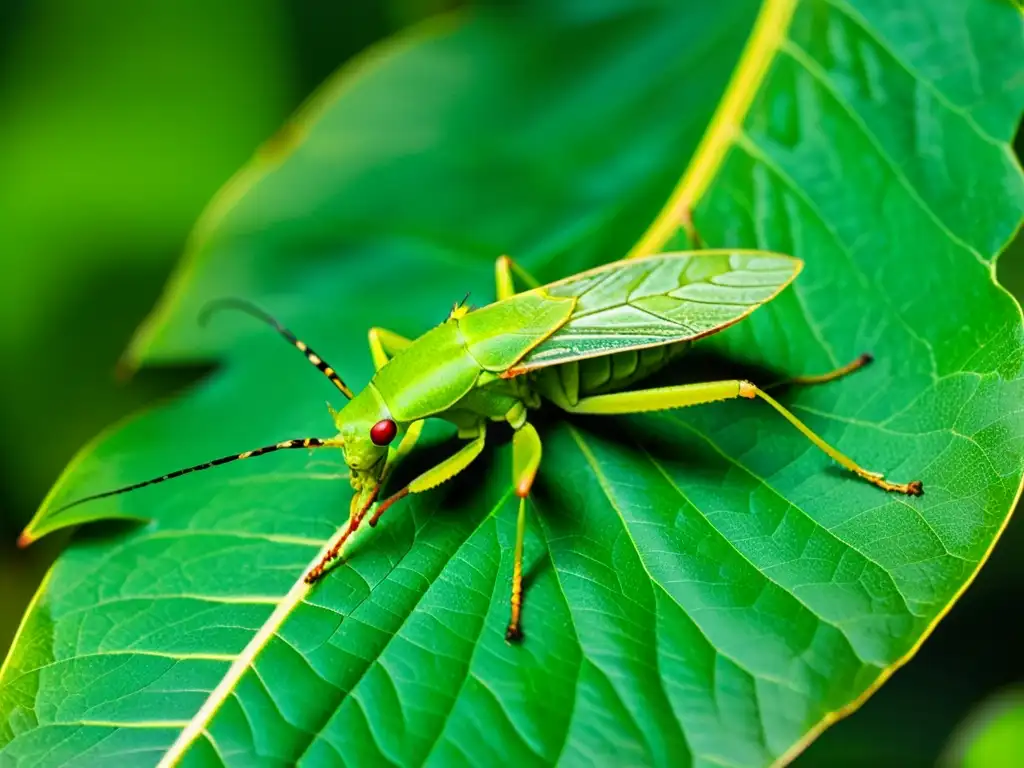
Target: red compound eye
column 383, row 432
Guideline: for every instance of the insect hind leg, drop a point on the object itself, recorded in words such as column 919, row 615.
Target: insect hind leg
column 823, row 378
column 683, row 395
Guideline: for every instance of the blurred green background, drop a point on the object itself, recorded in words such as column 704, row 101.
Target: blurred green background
column 118, row 122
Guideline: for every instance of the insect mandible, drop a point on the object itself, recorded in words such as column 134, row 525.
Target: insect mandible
column 581, row 344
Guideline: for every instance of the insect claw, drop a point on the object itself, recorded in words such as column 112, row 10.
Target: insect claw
column 331, row 561
column 513, row 634
column 913, row 488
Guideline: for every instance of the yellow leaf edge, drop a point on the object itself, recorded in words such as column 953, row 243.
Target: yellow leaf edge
column 769, row 32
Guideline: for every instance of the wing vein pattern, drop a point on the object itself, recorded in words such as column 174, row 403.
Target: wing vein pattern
column 662, row 299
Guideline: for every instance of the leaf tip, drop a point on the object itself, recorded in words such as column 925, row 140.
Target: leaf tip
column 25, row 539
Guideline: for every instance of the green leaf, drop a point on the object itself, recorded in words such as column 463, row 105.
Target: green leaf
column 992, row 736
column 703, row 588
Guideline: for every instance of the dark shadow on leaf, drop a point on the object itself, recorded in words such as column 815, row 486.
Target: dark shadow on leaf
column 705, row 363
column 542, row 504
column 537, row 569
column 461, row 490
column 653, row 434
column 104, row 533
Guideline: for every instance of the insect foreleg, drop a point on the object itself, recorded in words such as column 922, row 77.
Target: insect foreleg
column 361, row 502
column 357, row 511
column 526, row 452
column 412, row 435
column 436, row 475
column 505, row 272
column 663, row 398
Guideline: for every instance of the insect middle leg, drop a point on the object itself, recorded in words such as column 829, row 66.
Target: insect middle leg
column 663, row 398
column 526, row 451
column 686, row 222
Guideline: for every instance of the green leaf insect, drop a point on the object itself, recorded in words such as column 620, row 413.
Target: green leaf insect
column 581, row 344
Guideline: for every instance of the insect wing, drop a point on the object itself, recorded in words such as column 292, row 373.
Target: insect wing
column 662, row 299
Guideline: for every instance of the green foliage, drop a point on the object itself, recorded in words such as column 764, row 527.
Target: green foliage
column 993, row 736
column 103, row 107
column 702, row 587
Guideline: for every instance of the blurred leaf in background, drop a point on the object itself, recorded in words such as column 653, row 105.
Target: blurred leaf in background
column 992, row 736
column 119, row 122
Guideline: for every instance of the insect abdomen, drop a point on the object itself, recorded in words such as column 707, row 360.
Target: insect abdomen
column 608, row 373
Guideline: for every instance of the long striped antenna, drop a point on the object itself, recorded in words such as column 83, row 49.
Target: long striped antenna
column 251, row 309
column 306, row 442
